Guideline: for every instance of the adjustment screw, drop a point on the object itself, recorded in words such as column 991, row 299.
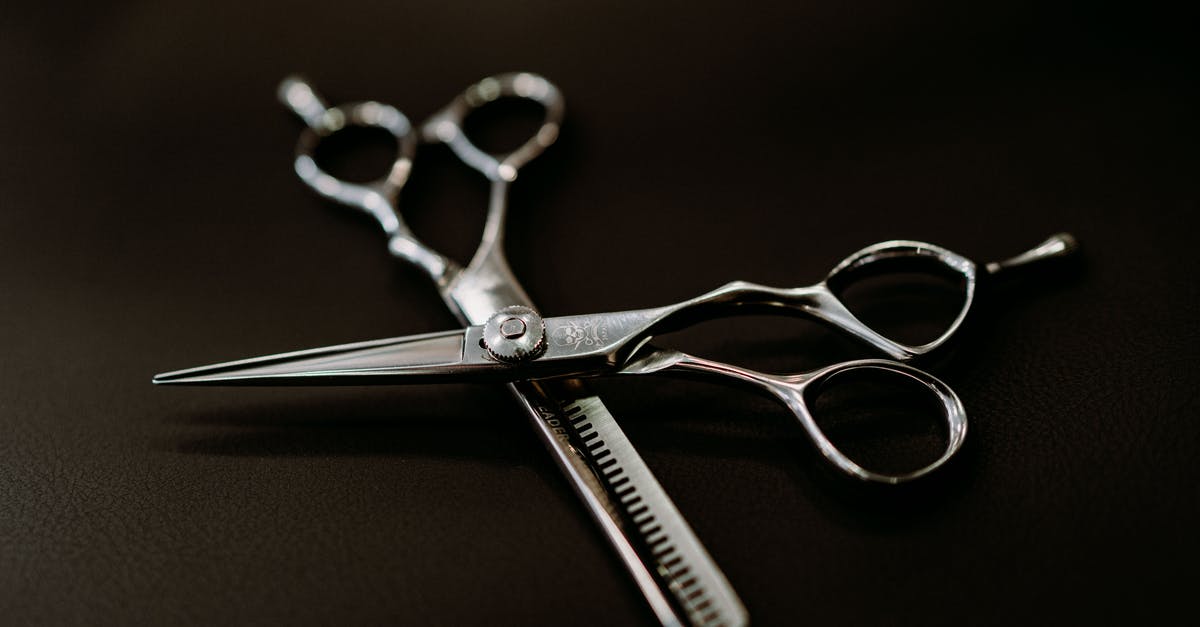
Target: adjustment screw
column 512, row 328
column 515, row 334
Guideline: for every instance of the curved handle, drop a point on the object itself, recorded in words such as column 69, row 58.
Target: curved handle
column 899, row 256
column 799, row 396
column 904, row 255
column 820, row 301
column 815, row 301
column 446, row 125
column 798, row 392
column 378, row 198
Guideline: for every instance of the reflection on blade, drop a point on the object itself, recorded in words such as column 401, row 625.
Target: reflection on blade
column 421, row 358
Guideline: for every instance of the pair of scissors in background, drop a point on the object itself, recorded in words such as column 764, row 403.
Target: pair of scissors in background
column 544, row 359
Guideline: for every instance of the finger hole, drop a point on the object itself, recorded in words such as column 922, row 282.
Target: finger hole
column 884, row 421
column 911, row 300
column 505, row 124
column 357, row 154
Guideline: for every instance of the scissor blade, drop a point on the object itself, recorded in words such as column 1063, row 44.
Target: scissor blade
column 426, row 358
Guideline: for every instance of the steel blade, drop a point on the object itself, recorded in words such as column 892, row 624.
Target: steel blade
column 429, row 358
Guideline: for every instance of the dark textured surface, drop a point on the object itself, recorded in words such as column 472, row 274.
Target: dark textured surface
column 149, row 220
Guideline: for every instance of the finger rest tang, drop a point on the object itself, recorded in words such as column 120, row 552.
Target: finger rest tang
column 1059, row 245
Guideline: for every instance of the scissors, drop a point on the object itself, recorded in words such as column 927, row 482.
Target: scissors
column 543, row 360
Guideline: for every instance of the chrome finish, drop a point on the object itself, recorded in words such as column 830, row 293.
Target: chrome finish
column 798, row 391
column 599, row 344
column 445, row 126
column 432, row 358
column 668, row 563
column 515, row 334
column 487, row 285
column 1057, row 245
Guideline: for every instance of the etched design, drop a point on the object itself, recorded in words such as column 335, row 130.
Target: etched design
column 585, row 333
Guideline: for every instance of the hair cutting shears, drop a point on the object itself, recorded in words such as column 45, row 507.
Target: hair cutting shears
column 515, row 344
column 507, row 340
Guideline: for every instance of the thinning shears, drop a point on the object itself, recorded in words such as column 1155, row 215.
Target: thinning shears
column 542, row 359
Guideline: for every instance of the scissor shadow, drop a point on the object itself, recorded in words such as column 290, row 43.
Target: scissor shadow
column 480, row 423
column 354, row 425
column 877, row 507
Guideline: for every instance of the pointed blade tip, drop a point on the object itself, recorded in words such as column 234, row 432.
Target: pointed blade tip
column 185, row 377
column 168, row 378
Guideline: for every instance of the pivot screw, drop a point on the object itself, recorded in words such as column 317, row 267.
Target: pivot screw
column 512, row 328
column 515, row 334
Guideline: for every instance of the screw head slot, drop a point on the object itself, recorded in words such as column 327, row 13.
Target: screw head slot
column 515, row 334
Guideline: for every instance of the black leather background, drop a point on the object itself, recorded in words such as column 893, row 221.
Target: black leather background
column 150, row 220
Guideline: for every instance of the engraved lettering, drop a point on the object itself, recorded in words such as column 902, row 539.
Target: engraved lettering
column 549, row 417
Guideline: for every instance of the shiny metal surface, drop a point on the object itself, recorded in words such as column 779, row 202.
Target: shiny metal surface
column 514, row 334
column 543, row 359
column 1057, row 245
column 431, row 357
column 616, row 342
column 798, row 391
column 487, row 285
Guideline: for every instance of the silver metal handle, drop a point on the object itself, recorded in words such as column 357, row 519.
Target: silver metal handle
column 820, row 301
column 1056, row 246
column 379, row 198
column 446, row 126
column 797, row 392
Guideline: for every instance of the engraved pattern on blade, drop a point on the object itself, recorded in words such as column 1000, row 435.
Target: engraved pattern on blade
column 586, row 333
column 668, row 542
column 603, row 335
